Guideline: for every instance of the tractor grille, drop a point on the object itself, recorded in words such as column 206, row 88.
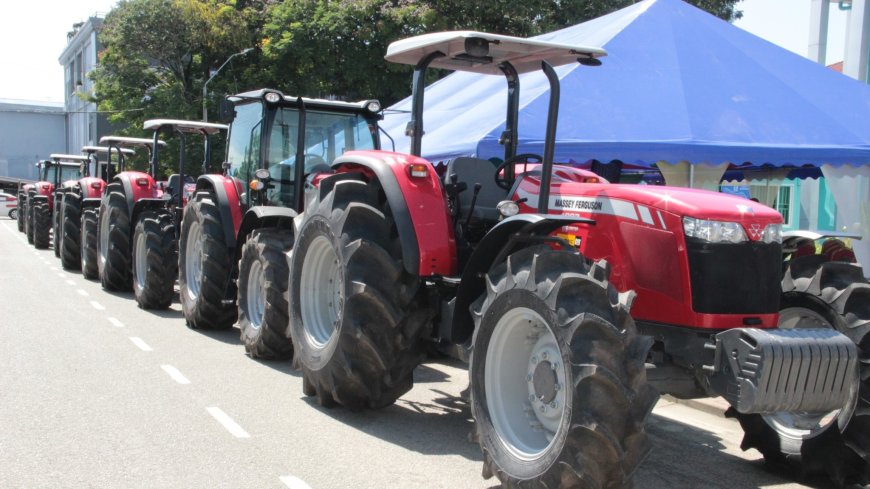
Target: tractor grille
column 735, row 278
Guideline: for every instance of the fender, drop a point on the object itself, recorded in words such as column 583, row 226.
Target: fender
column 264, row 217
column 483, row 259
column 134, row 190
column 418, row 206
column 228, row 201
column 146, row 204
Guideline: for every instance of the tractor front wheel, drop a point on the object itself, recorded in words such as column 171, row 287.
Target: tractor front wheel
column 357, row 316
column 205, row 264
column 155, row 260
column 821, row 294
column 41, row 225
column 21, row 213
column 70, row 235
column 56, row 224
column 114, row 240
column 263, row 274
column 28, row 221
column 558, row 386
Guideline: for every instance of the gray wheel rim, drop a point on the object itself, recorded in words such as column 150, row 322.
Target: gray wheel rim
column 803, row 425
column 321, row 292
column 141, row 261
column 193, row 261
column 522, row 349
column 255, row 308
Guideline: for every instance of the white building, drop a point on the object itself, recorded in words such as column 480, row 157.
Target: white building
column 84, row 125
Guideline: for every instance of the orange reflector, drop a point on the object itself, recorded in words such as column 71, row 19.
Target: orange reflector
column 256, row 185
column 419, row 170
column 591, row 180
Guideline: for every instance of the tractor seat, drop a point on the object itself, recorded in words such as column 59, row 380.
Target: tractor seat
column 173, row 184
column 471, row 171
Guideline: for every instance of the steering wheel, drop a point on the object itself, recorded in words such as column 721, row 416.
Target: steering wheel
column 524, row 157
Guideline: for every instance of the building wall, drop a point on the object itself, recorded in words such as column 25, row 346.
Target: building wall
column 84, row 125
column 29, row 133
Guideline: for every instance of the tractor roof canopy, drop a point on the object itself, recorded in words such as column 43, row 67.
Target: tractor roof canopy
column 129, row 142
column 480, row 52
column 70, row 160
column 371, row 106
column 104, row 149
column 189, row 127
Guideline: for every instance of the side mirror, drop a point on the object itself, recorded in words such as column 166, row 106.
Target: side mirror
column 226, row 111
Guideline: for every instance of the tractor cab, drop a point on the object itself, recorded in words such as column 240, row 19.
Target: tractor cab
column 63, row 169
column 117, row 144
column 272, row 132
column 479, row 191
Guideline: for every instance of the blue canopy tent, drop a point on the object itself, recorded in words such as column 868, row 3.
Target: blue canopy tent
column 678, row 84
column 679, row 87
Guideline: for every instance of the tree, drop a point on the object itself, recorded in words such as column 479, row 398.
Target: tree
column 158, row 53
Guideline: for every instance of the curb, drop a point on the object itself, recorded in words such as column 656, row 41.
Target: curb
column 715, row 406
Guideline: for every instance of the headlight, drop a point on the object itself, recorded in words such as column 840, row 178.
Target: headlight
column 508, row 208
column 262, row 174
column 272, row 97
column 373, row 106
column 714, row 231
column 772, row 233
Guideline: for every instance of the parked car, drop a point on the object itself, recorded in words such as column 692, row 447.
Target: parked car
column 9, row 205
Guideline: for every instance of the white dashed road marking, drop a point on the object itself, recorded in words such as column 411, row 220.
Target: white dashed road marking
column 62, row 275
column 116, row 323
column 82, row 292
column 227, row 422
column 98, row 306
column 294, row 482
column 175, row 374
column 141, row 344
column 70, row 282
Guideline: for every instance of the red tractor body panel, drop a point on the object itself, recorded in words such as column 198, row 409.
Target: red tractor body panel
column 92, row 187
column 639, row 231
column 233, row 189
column 142, row 185
column 427, row 207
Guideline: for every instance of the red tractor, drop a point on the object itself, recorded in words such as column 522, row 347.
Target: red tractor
column 56, row 176
column 239, row 227
column 90, row 186
column 114, row 228
column 156, row 220
column 576, row 300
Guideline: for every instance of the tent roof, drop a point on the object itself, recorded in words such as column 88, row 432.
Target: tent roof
column 678, row 84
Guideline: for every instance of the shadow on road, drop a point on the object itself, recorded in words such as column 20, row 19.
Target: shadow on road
column 229, row 336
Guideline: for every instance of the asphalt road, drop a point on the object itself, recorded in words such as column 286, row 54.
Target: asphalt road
column 95, row 392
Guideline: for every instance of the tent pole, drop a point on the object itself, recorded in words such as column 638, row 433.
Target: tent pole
column 691, row 175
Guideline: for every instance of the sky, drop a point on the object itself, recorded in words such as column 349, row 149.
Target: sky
column 33, row 35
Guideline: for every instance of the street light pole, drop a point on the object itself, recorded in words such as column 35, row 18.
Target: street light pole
column 205, row 85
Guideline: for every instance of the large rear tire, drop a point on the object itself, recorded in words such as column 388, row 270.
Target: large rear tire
column 822, row 294
column 114, row 247
column 20, row 213
column 205, row 264
column 28, row 220
column 155, row 260
column 57, row 217
column 558, row 385
column 71, row 230
column 357, row 317
column 263, row 276
column 41, row 225
column 89, row 244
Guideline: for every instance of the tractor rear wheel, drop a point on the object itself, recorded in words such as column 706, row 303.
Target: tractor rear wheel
column 28, row 220
column 263, row 274
column 155, row 260
column 357, row 316
column 56, row 224
column 205, row 264
column 41, row 225
column 88, row 240
column 822, row 294
column 558, row 385
column 114, row 262
column 21, row 214
column 70, row 235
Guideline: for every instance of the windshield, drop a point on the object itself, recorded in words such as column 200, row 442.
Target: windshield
column 68, row 173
